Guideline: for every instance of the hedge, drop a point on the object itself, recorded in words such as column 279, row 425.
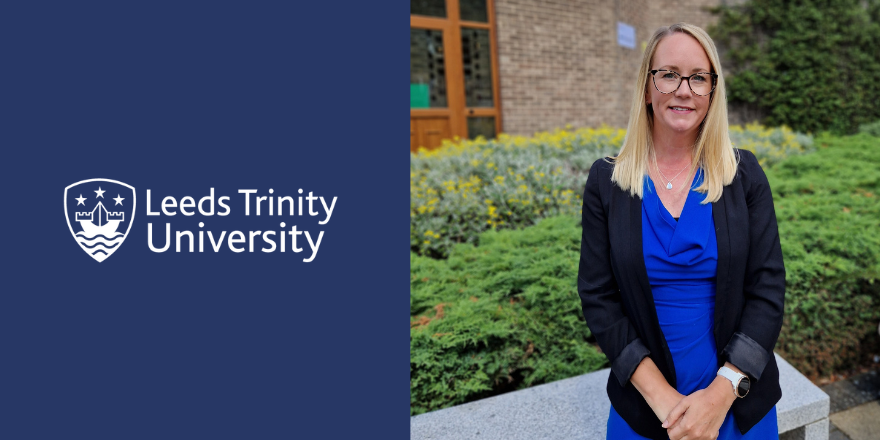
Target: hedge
column 828, row 207
column 810, row 65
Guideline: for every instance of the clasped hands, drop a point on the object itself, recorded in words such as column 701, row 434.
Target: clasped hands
column 697, row 416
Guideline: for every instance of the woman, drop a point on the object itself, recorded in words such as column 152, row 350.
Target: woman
column 681, row 276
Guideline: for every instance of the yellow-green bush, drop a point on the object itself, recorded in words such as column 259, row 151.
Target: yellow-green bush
column 469, row 186
column 770, row 145
column 872, row 129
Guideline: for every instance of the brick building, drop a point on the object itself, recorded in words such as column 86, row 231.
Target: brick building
column 480, row 67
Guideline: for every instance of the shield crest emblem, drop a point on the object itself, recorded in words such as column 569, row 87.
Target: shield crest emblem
column 99, row 214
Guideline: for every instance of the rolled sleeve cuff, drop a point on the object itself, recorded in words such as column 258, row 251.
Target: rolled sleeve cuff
column 747, row 355
column 625, row 364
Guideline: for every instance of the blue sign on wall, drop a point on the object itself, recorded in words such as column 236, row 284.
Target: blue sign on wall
column 626, row 35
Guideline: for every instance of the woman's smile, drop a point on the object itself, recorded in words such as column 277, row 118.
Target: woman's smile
column 681, row 110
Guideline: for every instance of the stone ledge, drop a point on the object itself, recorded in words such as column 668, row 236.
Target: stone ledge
column 802, row 402
column 577, row 409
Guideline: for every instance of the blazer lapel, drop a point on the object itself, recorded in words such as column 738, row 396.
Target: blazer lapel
column 722, row 281
column 636, row 250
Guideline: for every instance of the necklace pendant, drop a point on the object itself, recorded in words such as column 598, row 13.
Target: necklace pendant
column 669, row 185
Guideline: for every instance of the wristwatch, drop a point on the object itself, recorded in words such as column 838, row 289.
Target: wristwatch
column 741, row 382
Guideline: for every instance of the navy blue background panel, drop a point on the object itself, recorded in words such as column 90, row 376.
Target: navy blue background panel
column 179, row 99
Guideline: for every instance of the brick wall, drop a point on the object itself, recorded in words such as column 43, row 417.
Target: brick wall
column 667, row 12
column 559, row 61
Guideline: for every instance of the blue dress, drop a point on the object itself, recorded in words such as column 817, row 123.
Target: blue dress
column 682, row 259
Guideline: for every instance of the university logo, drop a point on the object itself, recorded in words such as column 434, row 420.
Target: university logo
column 99, row 214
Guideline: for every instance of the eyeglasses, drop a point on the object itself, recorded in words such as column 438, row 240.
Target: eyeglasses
column 668, row 81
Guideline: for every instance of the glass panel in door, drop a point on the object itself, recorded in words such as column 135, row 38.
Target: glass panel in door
column 477, row 65
column 481, row 126
column 427, row 84
column 473, row 10
column 430, row 8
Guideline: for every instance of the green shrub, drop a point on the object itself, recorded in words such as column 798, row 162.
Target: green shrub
column 465, row 188
column 828, row 206
column 810, row 65
column 498, row 317
column 872, row 129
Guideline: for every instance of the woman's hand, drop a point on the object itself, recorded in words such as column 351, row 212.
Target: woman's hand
column 665, row 402
column 700, row 415
column 661, row 396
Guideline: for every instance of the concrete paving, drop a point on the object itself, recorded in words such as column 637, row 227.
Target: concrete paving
column 854, row 391
column 855, row 410
column 859, row 423
column 835, row 434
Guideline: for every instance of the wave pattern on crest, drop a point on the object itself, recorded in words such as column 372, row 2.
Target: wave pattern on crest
column 86, row 237
column 100, row 243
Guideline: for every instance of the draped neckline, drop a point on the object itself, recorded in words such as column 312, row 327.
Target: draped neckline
column 692, row 230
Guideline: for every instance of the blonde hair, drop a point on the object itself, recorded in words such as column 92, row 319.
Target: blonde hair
column 714, row 152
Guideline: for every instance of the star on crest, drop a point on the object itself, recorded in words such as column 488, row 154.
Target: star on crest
column 118, row 199
column 81, row 200
column 100, row 193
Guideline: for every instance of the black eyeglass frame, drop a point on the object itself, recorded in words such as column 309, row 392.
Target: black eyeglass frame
column 682, row 78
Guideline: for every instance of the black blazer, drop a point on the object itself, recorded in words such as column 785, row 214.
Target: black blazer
column 619, row 307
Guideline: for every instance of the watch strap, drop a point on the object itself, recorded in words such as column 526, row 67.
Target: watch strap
column 733, row 377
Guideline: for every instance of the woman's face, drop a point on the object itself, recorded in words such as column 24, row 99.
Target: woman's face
column 682, row 111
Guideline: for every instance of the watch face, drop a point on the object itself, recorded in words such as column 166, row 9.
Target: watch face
column 743, row 388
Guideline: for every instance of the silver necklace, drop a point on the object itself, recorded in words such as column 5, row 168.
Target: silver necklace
column 668, row 181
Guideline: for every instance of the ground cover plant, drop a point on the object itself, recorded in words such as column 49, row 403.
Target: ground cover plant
column 828, row 207
column 505, row 314
column 467, row 187
column 498, row 317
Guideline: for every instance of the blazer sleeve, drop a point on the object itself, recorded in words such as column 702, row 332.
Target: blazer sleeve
column 597, row 287
column 751, row 346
